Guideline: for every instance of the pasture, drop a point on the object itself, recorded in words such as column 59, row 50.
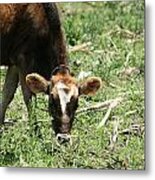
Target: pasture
column 104, row 39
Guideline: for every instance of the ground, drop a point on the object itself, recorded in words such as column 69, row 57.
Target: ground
column 112, row 34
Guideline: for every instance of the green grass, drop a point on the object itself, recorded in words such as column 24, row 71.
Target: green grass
column 116, row 33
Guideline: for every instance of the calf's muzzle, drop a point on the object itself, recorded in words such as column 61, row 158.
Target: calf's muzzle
column 63, row 138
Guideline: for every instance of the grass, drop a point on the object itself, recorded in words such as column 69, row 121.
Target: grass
column 116, row 54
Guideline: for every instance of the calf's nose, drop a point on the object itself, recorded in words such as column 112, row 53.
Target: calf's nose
column 63, row 138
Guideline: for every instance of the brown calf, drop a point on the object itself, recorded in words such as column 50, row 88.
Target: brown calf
column 32, row 46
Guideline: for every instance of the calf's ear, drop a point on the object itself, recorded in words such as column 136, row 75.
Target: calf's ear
column 90, row 86
column 37, row 83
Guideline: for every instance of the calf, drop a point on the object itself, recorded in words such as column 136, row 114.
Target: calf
column 32, row 46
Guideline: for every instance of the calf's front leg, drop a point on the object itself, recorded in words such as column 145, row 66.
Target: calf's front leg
column 9, row 89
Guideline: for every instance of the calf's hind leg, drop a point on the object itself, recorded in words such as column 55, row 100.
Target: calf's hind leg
column 9, row 89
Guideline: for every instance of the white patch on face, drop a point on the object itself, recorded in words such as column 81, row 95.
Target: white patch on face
column 65, row 94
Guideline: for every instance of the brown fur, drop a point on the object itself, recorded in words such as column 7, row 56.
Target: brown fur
column 67, row 79
column 32, row 41
column 90, row 86
column 38, row 16
column 32, row 81
column 11, row 13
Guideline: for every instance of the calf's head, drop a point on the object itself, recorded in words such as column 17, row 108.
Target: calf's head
column 63, row 91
